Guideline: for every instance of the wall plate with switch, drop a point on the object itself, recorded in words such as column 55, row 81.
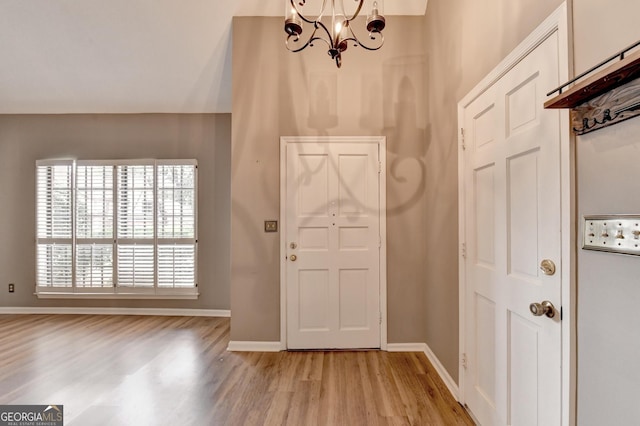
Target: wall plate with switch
column 270, row 226
column 612, row 233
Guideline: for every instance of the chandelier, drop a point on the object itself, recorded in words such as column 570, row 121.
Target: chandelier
column 337, row 33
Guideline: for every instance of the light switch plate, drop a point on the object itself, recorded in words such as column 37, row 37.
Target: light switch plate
column 612, row 233
column 270, row 226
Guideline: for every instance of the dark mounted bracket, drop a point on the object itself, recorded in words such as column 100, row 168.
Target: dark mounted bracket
column 606, row 98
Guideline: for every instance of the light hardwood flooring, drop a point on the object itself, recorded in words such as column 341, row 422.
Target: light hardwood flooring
column 128, row 370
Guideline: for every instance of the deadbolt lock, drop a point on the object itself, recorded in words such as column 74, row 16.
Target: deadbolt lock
column 548, row 267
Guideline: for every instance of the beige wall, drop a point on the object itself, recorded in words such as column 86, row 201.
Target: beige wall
column 468, row 38
column 278, row 93
column 608, row 179
column 465, row 40
column 408, row 91
column 603, row 29
column 27, row 138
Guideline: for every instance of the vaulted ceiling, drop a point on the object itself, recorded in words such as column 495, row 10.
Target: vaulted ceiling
column 126, row 56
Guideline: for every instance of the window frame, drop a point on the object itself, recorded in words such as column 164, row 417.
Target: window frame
column 117, row 291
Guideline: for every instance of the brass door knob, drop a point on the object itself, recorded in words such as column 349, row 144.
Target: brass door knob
column 544, row 308
column 293, row 257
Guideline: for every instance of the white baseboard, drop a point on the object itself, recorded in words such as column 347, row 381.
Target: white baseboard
column 240, row 346
column 406, row 347
column 118, row 311
column 442, row 372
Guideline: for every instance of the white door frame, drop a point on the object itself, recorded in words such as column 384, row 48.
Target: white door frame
column 382, row 189
column 558, row 22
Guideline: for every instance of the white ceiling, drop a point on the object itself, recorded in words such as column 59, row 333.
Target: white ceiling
column 126, row 56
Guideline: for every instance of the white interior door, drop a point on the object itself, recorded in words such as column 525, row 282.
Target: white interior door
column 512, row 186
column 332, row 245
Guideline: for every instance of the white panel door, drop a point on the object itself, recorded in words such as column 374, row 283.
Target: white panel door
column 513, row 222
column 333, row 245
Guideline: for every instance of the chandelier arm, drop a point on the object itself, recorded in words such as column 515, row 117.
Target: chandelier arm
column 308, row 43
column 373, row 35
column 324, row 5
column 356, row 13
column 330, row 42
column 304, row 18
column 312, row 38
column 294, row 50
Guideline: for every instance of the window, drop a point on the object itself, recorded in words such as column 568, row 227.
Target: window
column 119, row 229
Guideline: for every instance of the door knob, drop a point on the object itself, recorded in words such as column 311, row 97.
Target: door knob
column 293, row 257
column 544, row 308
column 548, row 267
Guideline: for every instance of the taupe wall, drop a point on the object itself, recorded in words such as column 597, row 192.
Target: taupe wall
column 27, row 138
column 465, row 40
column 278, row 93
column 408, row 91
column 608, row 178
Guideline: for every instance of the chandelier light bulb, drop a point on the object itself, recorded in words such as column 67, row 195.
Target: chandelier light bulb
column 292, row 23
column 375, row 21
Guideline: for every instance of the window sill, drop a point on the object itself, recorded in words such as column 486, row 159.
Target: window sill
column 139, row 296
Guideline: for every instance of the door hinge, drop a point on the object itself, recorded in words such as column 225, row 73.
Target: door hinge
column 462, row 143
column 380, row 318
column 463, row 250
column 379, row 166
column 379, row 241
column 463, row 361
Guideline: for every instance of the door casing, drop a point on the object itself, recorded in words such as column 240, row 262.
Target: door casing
column 382, row 186
column 558, row 22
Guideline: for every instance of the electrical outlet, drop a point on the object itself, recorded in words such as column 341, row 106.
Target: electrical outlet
column 12, row 288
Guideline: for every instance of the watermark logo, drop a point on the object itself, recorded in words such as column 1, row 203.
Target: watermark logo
column 31, row 415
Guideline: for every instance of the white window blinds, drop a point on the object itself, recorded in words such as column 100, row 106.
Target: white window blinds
column 136, row 231
column 54, row 206
column 176, row 225
column 136, row 186
column 117, row 227
column 94, row 225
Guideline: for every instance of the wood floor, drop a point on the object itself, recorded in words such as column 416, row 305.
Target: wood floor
column 127, row 370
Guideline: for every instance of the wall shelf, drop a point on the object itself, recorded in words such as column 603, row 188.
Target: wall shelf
column 605, row 98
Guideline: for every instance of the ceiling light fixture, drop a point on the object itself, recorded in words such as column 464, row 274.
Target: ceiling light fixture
column 339, row 33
